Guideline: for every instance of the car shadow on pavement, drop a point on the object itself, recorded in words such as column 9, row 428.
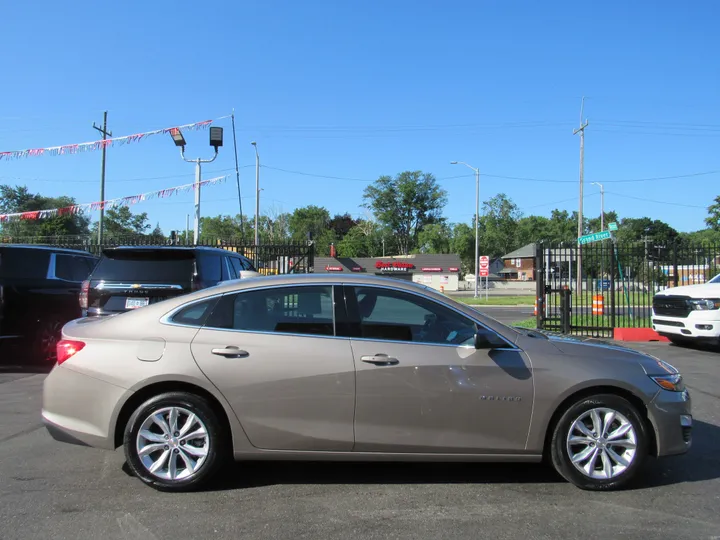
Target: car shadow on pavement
column 701, row 463
column 252, row 474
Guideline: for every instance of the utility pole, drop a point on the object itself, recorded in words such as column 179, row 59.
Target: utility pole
column 105, row 134
column 257, row 195
column 581, row 131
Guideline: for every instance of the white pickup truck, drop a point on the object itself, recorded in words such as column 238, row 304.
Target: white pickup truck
column 690, row 313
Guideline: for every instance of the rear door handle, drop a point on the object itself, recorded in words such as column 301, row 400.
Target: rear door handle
column 231, row 352
column 380, row 360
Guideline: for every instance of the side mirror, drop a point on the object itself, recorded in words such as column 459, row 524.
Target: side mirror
column 481, row 341
column 486, row 339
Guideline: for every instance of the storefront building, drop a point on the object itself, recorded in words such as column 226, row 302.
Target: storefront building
column 441, row 272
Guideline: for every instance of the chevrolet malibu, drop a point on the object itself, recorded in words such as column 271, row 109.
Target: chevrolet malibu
column 320, row 367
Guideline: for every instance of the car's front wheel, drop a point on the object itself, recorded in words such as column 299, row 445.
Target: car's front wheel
column 175, row 442
column 599, row 443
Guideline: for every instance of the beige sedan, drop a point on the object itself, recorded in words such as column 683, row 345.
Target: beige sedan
column 321, row 367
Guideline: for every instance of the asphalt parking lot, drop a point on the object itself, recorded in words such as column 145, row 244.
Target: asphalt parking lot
column 53, row 490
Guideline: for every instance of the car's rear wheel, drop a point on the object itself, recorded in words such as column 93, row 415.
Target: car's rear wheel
column 599, row 443
column 175, row 442
column 46, row 339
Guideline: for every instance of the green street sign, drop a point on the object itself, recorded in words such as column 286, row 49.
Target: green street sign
column 612, row 226
column 594, row 237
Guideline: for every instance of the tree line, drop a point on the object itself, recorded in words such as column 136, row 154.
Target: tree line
column 404, row 214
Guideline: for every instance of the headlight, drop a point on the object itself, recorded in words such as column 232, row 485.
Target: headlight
column 704, row 304
column 670, row 380
column 673, row 383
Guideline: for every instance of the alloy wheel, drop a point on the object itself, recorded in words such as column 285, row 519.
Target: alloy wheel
column 602, row 443
column 173, row 443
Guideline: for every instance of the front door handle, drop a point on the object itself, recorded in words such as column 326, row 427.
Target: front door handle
column 231, row 352
column 380, row 360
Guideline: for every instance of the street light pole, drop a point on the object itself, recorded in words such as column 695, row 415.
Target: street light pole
column 257, row 197
column 477, row 221
column 602, row 205
column 216, row 140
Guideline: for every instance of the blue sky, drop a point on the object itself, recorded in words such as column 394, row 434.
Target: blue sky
column 360, row 89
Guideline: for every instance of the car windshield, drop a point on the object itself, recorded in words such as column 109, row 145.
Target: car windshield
column 146, row 265
column 716, row 279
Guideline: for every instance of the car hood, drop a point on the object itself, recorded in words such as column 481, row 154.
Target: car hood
column 707, row 290
column 600, row 350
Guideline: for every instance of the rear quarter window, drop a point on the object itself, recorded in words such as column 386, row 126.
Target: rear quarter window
column 24, row 263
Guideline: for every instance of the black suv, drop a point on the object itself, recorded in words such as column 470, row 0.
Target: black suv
column 39, row 288
column 132, row 277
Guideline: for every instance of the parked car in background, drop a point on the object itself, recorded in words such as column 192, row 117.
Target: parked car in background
column 128, row 278
column 352, row 367
column 689, row 314
column 39, row 288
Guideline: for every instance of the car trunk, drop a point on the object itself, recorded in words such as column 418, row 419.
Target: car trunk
column 126, row 279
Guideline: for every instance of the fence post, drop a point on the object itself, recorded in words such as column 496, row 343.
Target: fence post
column 311, row 258
column 676, row 277
column 613, row 266
column 539, row 286
column 566, row 310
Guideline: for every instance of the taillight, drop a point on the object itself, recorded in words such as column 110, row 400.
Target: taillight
column 83, row 298
column 67, row 348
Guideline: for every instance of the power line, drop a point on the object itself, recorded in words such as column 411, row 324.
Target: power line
column 644, row 199
column 28, row 179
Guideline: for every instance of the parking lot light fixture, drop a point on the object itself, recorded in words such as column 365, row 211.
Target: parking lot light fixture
column 216, row 140
column 177, row 137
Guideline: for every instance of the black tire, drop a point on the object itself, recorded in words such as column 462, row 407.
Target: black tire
column 678, row 341
column 559, row 444
column 217, row 447
column 46, row 339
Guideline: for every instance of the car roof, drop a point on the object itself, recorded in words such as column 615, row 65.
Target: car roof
column 172, row 248
column 48, row 248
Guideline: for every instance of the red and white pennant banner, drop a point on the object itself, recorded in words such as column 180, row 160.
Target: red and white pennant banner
column 99, row 145
column 111, row 203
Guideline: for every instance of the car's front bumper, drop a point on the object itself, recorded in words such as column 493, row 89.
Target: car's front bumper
column 697, row 325
column 671, row 416
column 80, row 409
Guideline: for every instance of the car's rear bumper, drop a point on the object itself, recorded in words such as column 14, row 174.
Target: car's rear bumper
column 80, row 409
column 671, row 416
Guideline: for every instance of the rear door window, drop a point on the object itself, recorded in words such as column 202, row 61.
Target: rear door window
column 153, row 266
column 236, row 266
column 21, row 263
column 306, row 310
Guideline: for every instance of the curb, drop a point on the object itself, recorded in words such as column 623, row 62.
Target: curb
column 637, row 334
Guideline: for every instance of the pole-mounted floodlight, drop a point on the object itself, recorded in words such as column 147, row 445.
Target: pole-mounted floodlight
column 177, row 137
column 216, row 141
column 216, row 137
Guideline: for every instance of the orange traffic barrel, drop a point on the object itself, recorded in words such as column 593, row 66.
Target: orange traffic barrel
column 535, row 311
column 598, row 304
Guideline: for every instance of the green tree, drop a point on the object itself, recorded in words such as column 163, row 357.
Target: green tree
column 341, row 224
column 121, row 222
column 223, row 227
column 435, row 238
column 713, row 219
column 637, row 229
column 309, row 220
column 499, row 226
column 463, row 243
column 19, row 199
column 595, row 224
column 533, row 229
column 405, row 204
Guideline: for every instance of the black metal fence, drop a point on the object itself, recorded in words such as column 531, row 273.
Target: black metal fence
column 616, row 282
column 268, row 259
